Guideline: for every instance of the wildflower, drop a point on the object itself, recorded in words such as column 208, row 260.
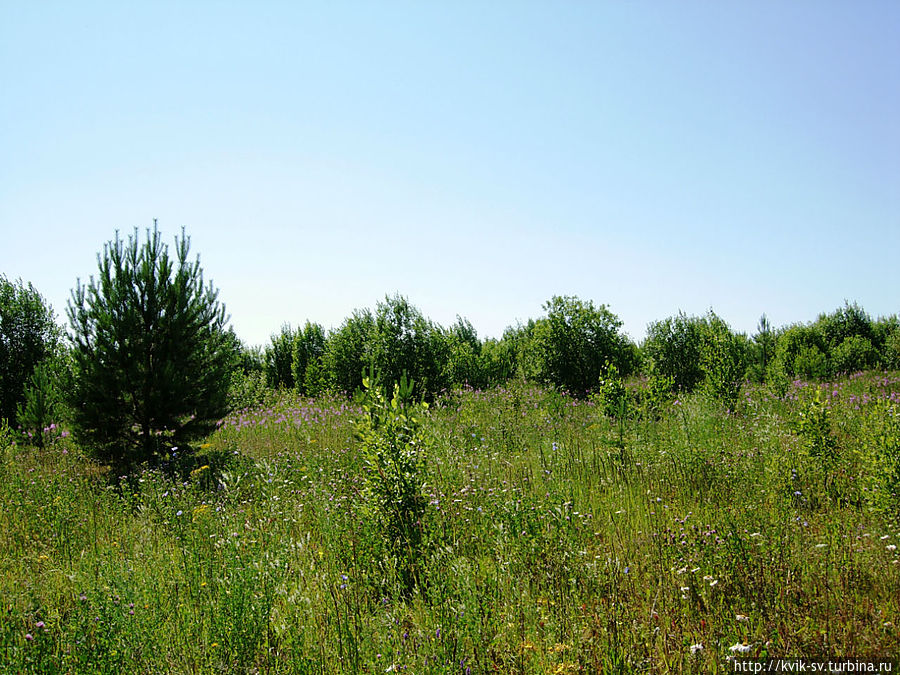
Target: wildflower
column 40, row 624
column 891, row 547
column 743, row 618
column 29, row 637
column 740, row 648
column 697, row 648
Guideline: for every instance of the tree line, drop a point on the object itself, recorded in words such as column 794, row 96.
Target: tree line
column 147, row 359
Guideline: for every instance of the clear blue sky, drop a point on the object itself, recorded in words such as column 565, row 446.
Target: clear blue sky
column 475, row 157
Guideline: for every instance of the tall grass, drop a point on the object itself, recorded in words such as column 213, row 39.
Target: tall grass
column 555, row 540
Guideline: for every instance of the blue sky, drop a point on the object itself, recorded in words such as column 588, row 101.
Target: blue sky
column 475, row 157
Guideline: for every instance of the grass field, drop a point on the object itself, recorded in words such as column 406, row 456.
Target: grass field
column 555, row 540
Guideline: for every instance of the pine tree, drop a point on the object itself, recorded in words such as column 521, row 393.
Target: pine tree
column 152, row 359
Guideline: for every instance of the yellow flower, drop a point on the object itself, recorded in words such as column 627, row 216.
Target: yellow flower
column 199, row 512
column 197, row 472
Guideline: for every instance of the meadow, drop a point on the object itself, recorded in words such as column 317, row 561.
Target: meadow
column 670, row 538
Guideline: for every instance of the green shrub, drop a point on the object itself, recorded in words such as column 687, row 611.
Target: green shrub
column 672, row 350
column 811, row 363
column 28, row 335
column 883, row 446
column 892, row 351
column 722, row 361
column 405, row 342
column 39, row 409
column 761, row 351
column 394, row 451
column 279, row 359
column 611, row 395
column 800, row 351
column 307, row 350
column 850, row 321
column 853, row 354
column 152, row 357
column 575, row 341
column 348, row 351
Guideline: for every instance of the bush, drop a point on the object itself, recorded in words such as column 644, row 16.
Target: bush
column 800, row 351
column 854, row 353
column 39, row 409
column 850, row 321
column 811, row 364
column 306, row 359
column 892, row 351
column 404, row 342
column 152, row 357
column 672, row 350
column 394, row 451
column 348, row 351
column 463, row 364
column 28, row 336
column 279, row 360
column 722, row 359
column 611, row 395
column 761, row 351
column 575, row 341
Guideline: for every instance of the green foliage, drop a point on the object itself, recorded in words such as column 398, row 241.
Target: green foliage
column 394, row 451
column 152, row 358
column 722, row 359
column 28, row 335
column 814, row 429
column 811, row 363
column 853, row 354
column 248, row 389
column 574, row 342
column 348, row 352
column 655, row 395
column 814, row 473
column 883, row 450
column 672, row 350
column 498, row 361
column 800, row 352
column 306, row 359
column 849, row 321
column 892, row 351
column 611, row 395
column 463, row 361
column 40, row 408
column 279, row 359
column 761, row 351
column 405, row 342
column 250, row 360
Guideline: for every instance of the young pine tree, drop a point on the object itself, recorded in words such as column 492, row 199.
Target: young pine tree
column 152, row 359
